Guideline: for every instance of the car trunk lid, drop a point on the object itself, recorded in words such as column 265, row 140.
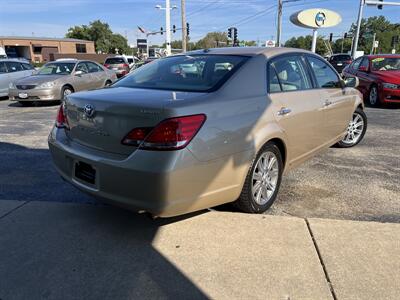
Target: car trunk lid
column 101, row 119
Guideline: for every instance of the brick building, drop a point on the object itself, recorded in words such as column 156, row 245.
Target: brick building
column 37, row 49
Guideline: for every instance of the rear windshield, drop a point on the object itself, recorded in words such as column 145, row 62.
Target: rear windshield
column 194, row 73
column 341, row 57
column 115, row 61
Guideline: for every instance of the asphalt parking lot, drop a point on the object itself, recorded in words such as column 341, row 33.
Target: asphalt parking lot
column 361, row 183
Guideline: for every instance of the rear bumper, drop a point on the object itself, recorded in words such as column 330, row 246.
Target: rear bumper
column 164, row 183
column 35, row 94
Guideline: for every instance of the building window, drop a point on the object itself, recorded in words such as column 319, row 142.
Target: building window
column 37, row 50
column 80, row 48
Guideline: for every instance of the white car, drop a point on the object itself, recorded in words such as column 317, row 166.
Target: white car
column 12, row 70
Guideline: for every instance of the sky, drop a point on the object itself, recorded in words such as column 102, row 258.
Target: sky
column 255, row 19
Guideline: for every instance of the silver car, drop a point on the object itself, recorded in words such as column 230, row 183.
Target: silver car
column 208, row 127
column 58, row 79
column 12, row 70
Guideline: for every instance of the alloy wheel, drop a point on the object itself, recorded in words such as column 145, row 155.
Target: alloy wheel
column 373, row 96
column 354, row 130
column 265, row 178
column 66, row 93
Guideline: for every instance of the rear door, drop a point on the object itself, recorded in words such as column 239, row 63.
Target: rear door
column 337, row 104
column 98, row 75
column 300, row 116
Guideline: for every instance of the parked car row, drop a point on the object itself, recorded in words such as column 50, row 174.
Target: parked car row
column 54, row 81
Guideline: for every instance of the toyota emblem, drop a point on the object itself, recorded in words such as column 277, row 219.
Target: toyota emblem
column 89, row 110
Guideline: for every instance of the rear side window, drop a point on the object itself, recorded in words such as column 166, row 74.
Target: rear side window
column 325, row 76
column 13, row 66
column 194, row 73
column 27, row 66
column 114, row 61
column 288, row 73
column 130, row 60
column 3, row 68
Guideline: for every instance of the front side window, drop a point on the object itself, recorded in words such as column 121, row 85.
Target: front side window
column 13, row 66
column 82, row 67
column 194, row 73
column 325, row 76
column 386, row 64
column 57, row 69
column 93, row 68
column 291, row 74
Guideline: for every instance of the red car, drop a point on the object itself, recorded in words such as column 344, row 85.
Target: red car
column 379, row 77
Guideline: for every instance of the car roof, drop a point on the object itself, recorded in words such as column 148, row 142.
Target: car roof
column 15, row 60
column 383, row 55
column 250, row 51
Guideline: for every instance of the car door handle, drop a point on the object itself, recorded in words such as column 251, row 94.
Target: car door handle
column 284, row 111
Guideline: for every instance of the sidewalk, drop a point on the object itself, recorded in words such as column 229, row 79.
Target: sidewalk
column 75, row 251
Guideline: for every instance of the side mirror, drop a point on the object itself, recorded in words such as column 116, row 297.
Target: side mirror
column 79, row 73
column 352, row 82
column 363, row 69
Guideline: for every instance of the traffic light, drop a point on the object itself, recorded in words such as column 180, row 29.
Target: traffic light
column 162, row 30
column 173, row 28
column 330, row 37
column 380, row 6
column 187, row 29
column 230, row 33
column 345, row 35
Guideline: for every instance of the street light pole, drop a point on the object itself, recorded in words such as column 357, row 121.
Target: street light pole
column 184, row 29
column 279, row 25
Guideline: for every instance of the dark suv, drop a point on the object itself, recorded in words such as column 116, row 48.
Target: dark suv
column 340, row 61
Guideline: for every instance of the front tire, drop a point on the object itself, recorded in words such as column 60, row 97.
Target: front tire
column 355, row 130
column 66, row 91
column 262, row 181
column 373, row 96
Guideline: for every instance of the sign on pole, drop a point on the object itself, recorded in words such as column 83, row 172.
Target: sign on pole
column 270, row 43
column 141, row 43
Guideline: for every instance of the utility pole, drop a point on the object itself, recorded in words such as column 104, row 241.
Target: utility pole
column 168, row 26
column 184, row 30
column 373, row 44
column 342, row 43
column 279, row 25
column 355, row 40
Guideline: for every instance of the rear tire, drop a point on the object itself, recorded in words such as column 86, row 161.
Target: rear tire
column 262, row 181
column 355, row 130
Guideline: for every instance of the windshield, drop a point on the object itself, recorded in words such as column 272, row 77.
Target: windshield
column 386, row 64
column 57, row 69
column 340, row 57
column 197, row 73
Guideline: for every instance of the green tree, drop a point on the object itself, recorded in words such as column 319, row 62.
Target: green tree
column 212, row 40
column 105, row 40
column 304, row 42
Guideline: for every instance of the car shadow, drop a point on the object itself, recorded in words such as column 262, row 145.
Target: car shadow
column 35, row 104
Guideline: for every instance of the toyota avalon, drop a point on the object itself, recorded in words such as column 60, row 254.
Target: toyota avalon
column 196, row 130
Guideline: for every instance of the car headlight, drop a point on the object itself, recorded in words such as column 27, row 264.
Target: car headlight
column 12, row 85
column 391, row 86
column 46, row 85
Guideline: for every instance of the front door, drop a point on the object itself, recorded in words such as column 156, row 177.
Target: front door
column 337, row 104
column 300, row 115
column 82, row 79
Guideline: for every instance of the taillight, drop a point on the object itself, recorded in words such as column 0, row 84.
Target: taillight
column 61, row 121
column 347, row 62
column 107, row 66
column 125, row 65
column 170, row 134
